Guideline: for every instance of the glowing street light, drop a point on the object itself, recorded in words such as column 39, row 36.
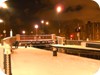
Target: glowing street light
column 47, row 23
column 1, row 21
column 36, row 27
column 3, row 4
column 1, row 1
column 59, row 9
column 23, row 32
column 42, row 21
column 4, row 31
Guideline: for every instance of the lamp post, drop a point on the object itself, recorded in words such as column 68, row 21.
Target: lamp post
column 11, row 33
column 36, row 27
column 3, row 5
column 59, row 9
column 24, row 32
column 78, row 30
column 44, row 23
column 4, row 31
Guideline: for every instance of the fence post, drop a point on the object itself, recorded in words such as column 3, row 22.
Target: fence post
column 7, row 59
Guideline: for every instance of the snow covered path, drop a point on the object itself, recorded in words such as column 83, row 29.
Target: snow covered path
column 33, row 61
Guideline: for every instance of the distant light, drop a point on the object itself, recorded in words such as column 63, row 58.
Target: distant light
column 23, row 32
column 47, row 23
column 1, row 1
column 1, row 20
column 4, row 31
column 71, row 35
column 36, row 26
column 59, row 9
column 98, row 2
column 42, row 21
column 3, row 5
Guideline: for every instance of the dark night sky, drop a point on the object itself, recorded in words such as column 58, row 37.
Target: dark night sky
column 22, row 13
column 28, row 10
column 24, row 8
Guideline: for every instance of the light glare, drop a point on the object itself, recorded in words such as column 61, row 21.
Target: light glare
column 98, row 2
column 59, row 9
column 42, row 21
column 3, row 5
column 2, row 1
column 1, row 20
column 36, row 26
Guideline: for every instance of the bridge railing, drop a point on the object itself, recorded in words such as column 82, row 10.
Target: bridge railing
column 9, row 40
column 74, row 42
column 34, row 37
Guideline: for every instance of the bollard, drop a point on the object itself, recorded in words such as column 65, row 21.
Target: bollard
column 25, row 45
column 7, row 60
column 54, row 51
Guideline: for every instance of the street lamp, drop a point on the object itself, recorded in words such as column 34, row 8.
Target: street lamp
column 1, row 1
column 1, row 21
column 78, row 30
column 3, row 4
column 36, row 27
column 47, row 23
column 4, row 31
column 59, row 9
column 44, row 23
column 23, row 32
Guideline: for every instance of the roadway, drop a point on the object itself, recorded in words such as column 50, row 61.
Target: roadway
column 33, row 61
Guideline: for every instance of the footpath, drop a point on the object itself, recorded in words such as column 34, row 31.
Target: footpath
column 33, row 61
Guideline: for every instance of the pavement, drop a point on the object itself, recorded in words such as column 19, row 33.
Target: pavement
column 33, row 61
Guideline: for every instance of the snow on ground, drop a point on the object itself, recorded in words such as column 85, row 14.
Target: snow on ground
column 33, row 61
column 1, row 72
column 98, row 72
